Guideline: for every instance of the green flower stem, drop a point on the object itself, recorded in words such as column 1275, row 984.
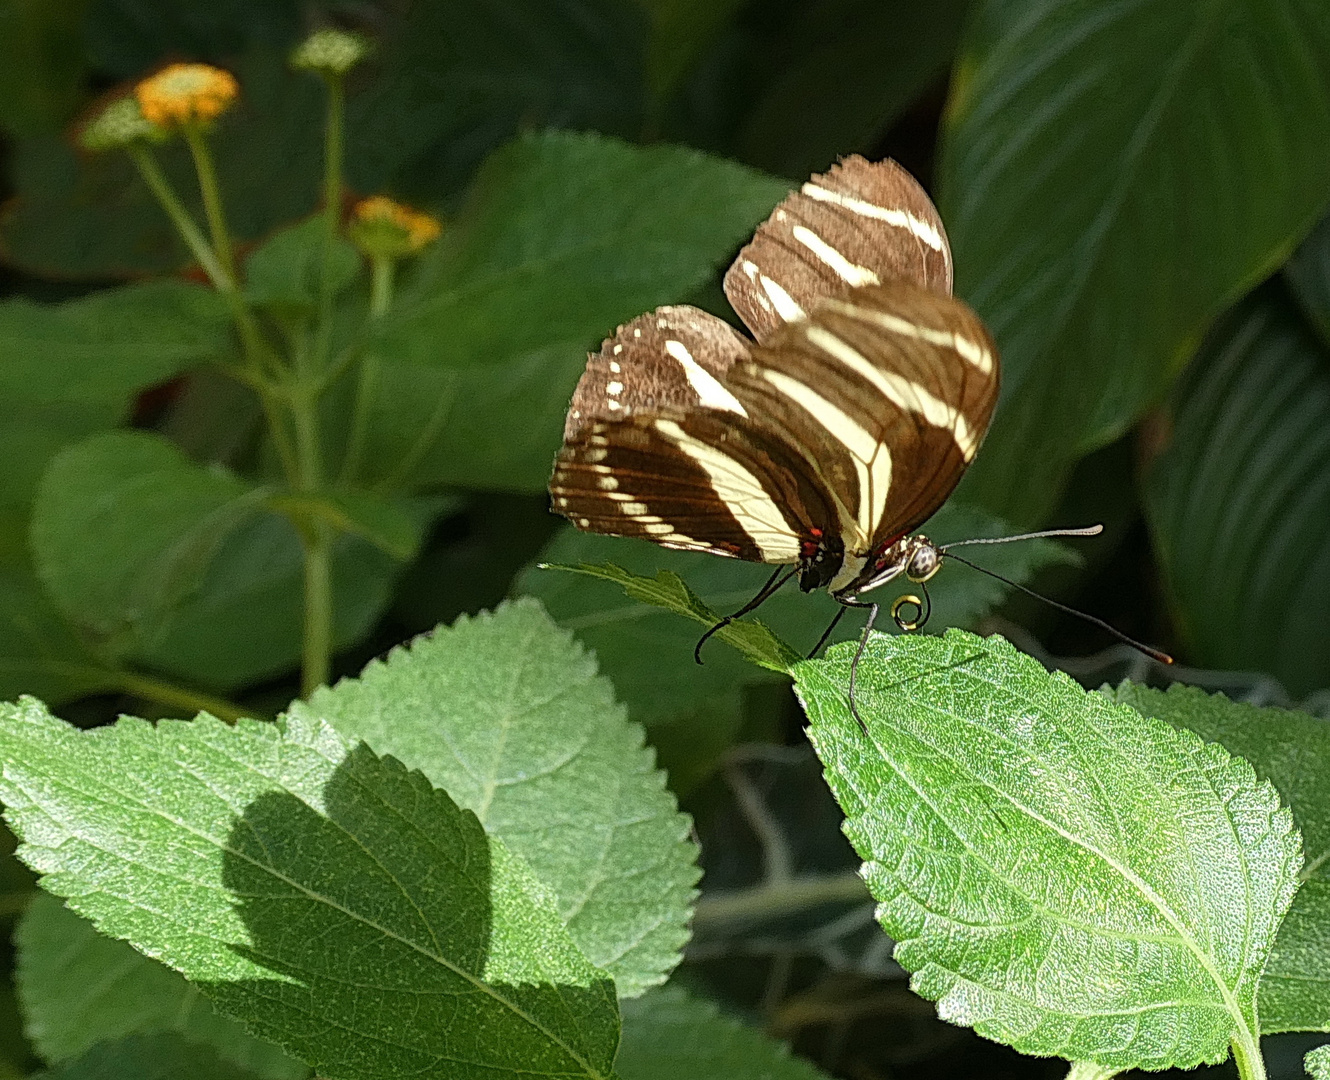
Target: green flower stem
column 212, row 198
column 316, row 659
column 424, row 441
column 772, row 900
column 332, row 211
column 380, row 300
column 178, row 697
column 184, row 224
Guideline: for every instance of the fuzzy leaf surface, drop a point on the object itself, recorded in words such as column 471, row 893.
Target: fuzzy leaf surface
column 669, row 1035
column 79, row 988
column 1292, row 751
column 1059, row 872
column 329, row 899
column 1317, row 1063
column 1113, row 175
column 506, row 713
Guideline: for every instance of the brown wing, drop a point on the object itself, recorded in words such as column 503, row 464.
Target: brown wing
column 702, row 480
column 886, row 392
column 672, row 357
column 862, row 223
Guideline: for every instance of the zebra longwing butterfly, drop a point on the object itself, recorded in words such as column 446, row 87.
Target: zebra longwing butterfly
column 826, row 439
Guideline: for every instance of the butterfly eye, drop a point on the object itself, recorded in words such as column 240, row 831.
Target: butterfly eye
column 924, row 563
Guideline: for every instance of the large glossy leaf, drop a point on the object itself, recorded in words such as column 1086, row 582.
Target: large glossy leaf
column 1114, row 173
column 1059, row 872
column 1239, row 500
column 506, row 713
column 1292, row 751
column 79, row 988
column 329, row 899
column 1308, row 277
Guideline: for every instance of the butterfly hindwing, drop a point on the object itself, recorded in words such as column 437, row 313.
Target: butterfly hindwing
column 858, row 224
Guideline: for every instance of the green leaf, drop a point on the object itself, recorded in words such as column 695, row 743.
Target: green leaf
column 1059, row 872
column 1308, row 277
column 1111, row 177
column 562, row 237
column 1238, row 501
column 507, row 714
column 79, row 988
column 40, row 652
column 842, row 72
column 285, row 271
column 668, row 1035
column 124, row 527
column 1292, row 751
column 648, row 653
column 41, row 64
column 161, row 1055
column 92, row 217
column 337, row 904
column 460, row 78
column 243, row 622
column 1317, row 1063
column 100, row 350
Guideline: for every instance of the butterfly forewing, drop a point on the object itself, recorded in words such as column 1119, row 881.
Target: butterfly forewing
column 859, row 224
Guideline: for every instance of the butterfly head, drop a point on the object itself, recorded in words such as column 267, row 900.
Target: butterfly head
column 917, row 557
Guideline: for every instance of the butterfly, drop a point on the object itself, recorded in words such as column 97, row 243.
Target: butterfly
column 825, row 439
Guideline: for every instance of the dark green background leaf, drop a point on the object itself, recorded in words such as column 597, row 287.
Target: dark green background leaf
column 162, row 1055
column 1238, row 502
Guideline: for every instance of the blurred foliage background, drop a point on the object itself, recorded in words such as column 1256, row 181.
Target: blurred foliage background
column 1132, row 190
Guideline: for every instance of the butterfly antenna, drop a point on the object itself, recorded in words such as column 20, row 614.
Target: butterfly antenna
column 1153, row 653
column 1089, row 530
column 763, row 595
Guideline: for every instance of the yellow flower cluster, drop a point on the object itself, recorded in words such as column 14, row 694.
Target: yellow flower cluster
column 186, row 93
column 384, row 227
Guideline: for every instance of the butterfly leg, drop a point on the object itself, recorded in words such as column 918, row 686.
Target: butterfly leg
column 763, row 595
column 827, row 633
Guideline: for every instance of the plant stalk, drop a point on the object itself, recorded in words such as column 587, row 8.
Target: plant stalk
column 175, row 210
column 380, row 300
column 771, row 900
column 1247, row 1055
column 212, row 199
column 316, row 656
column 332, row 213
column 178, row 697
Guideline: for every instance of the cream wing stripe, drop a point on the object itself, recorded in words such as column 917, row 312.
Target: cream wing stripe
column 742, row 493
column 709, row 391
column 899, row 390
column 971, row 351
column 872, row 460
column 849, row 272
column 902, row 219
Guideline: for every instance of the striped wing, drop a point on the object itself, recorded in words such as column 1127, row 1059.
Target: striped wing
column 862, row 223
column 703, row 480
column 885, row 393
column 673, row 357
